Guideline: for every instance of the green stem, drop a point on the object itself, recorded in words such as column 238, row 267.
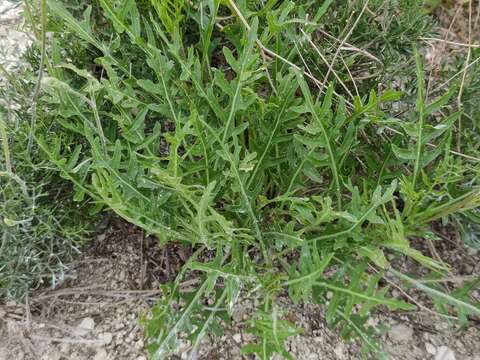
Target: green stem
column 5, row 147
column 297, row 172
column 278, row 120
column 324, row 133
column 421, row 111
column 36, row 91
column 243, row 193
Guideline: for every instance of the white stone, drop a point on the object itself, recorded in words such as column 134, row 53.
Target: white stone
column 139, row 344
column 51, row 354
column 431, row 349
column 65, row 348
column 400, row 333
column 471, row 251
column 444, row 353
column 87, row 324
column 339, row 351
column 106, row 338
column 101, row 355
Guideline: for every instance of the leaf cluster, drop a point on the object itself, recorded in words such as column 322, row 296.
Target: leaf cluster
column 198, row 123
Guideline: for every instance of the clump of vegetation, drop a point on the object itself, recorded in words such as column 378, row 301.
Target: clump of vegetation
column 42, row 229
column 40, row 224
column 226, row 126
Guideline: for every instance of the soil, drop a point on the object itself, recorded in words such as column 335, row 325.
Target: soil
column 13, row 40
column 95, row 312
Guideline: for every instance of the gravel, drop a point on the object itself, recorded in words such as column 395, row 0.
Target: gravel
column 95, row 315
column 444, row 353
column 13, row 41
column 400, row 333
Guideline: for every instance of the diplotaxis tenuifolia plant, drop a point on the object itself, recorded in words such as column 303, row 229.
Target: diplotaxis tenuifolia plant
column 224, row 125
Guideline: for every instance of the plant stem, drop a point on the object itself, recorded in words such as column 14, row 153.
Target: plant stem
column 420, row 109
column 36, row 91
column 5, row 147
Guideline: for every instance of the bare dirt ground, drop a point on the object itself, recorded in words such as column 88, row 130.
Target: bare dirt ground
column 95, row 313
column 13, row 40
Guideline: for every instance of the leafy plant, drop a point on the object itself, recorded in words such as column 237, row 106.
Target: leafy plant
column 202, row 123
column 273, row 331
column 41, row 227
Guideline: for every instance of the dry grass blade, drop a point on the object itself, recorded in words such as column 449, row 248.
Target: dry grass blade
column 428, row 39
column 330, row 68
column 317, row 82
column 461, row 72
column 345, row 39
column 464, row 76
column 349, row 47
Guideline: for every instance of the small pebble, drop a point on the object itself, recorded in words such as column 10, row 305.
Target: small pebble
column 101, row 355
column 430, row 348
column 471, row 251
column 139, row 344
column 106, row 338
column 339, row 351
column 400, row 333
column 88, row 324
column 237, row 338
column 444, row 353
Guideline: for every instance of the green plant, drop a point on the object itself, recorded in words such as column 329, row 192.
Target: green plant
column 199, row 123
column 40, row 226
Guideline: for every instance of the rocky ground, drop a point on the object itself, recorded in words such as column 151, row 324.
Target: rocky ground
column 13, row 40
column 95, row 313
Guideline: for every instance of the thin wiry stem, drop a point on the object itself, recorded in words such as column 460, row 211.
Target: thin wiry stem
column 243, row 192
column 279, row 57
column 324, row 134
column 464, row 77
column 330, row 66
column 350, row 47
column 428, row 39
column 5, row 147
column 421, row 115
column 350, row 32
column 36, row 91
column 441, row 86
column 444, row 45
